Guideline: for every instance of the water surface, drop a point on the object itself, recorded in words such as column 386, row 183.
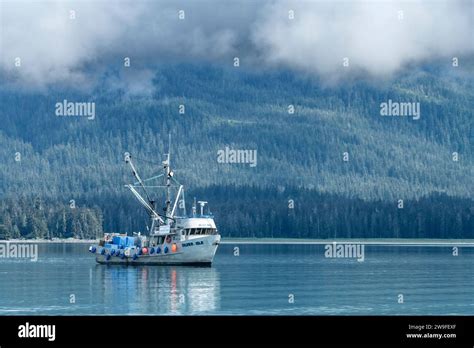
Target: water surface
column 263, row 279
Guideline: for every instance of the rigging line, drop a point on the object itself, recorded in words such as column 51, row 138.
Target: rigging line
column 176, row 181
column 153, row 177
column 152, row 162
column 145, row 160
column 138, row 186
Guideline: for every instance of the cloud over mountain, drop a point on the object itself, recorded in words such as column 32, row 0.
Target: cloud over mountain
column 377, row 38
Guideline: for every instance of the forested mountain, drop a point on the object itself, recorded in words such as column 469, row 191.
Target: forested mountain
column 48, row 160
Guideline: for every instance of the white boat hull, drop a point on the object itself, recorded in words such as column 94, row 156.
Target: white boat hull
column 196, row 251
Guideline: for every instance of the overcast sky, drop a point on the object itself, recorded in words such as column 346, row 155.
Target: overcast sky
column 379, row 38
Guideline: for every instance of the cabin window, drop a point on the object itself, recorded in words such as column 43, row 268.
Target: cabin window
column 199, row 231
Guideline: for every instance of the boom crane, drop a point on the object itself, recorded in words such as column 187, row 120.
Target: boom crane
column 128, row 159
column 149, row 205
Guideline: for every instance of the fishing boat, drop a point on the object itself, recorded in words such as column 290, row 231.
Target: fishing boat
column 173, row 238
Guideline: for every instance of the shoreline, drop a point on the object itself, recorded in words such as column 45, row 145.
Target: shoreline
column 289, row 241
column 366, row 241
column 51, row 241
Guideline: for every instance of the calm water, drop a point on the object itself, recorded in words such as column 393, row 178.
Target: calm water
column 259, row 281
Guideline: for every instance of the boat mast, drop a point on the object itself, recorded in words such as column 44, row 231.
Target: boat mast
column 168, row 175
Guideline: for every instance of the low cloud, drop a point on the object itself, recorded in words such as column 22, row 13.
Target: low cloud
column 377, row 38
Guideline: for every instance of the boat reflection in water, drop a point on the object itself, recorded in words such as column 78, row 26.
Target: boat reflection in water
column 169, row 290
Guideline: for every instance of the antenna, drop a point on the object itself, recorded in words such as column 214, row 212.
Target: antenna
column 202, row 204
column 184, row 204
column 169, row 147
